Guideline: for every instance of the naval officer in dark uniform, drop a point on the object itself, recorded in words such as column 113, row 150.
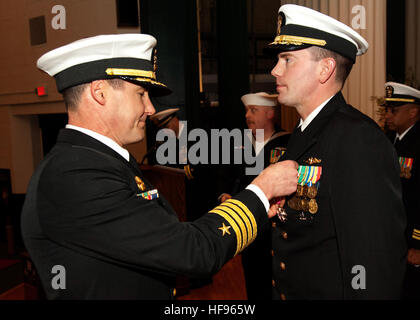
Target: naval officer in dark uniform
column 402, row 105
column 341, row 235
column 91, row 214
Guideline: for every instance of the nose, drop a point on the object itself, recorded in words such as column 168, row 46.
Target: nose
column 276, row 72
column 388, row 114
column 149, row 108
column 247, row 114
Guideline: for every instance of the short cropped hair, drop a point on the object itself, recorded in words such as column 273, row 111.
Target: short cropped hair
column 343, row 64
column 72, row 95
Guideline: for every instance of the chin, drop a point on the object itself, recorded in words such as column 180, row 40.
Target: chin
column 135, row 138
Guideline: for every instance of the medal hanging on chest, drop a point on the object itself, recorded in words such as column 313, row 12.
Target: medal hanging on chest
column 406, row 165
column 276, row 154
column 304, row 199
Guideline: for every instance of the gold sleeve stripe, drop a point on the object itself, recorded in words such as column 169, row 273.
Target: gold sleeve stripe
column 248, row 214
column 415, row 231
column 233, row 225
column 246, row 236
column 244, row 221
column 416, row 237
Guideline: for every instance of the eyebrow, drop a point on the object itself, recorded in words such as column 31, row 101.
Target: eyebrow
column 284, row 54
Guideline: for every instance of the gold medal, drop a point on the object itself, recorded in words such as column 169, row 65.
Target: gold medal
column 312, row 192
column 304, row 205
column 406, row 165
column 305, row 191
column 313, row 206
column 299, row 191
column 407, row 173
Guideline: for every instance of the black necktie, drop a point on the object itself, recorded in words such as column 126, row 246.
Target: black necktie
column 397, row 143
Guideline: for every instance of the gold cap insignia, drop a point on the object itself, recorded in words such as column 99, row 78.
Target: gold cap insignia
column 389, row 91
column 279, row 24
column 155, row 60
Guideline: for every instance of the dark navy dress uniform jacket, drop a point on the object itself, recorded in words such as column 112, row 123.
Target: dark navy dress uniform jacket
column 82, row 211
column 360, row 220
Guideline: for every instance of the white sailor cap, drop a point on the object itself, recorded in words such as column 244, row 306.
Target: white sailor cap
column 398, row 94
column 131, row 57
column 260, row 99
column 300, row 27
column 161, row 118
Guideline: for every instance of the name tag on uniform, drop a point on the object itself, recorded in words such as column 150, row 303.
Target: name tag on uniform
column 149, row 195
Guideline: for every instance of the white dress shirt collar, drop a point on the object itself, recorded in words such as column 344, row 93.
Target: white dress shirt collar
column 402, row 135
column 304, row 124
column 258, row 145
column 105, row 140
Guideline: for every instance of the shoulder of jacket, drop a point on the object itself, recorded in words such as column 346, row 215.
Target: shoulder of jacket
column 62, row 159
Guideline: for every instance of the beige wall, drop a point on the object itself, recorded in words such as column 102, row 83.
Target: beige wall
column 20, row 137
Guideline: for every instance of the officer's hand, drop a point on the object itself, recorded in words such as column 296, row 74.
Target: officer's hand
column 413, row 256
column 275, row 205
column 278, row 180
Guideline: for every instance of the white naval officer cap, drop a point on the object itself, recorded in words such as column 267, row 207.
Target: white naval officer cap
column 131, row 57
column 260, row 99
column 161, row 118
column 398, row 94
column 300, row 27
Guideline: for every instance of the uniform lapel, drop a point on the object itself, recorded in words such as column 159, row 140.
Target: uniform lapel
column 411, row 135
column 81, row 140
column 300, row 142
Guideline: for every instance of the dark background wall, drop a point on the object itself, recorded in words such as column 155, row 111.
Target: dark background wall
column 395, row 60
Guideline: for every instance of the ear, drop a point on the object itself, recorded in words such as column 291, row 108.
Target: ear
column 327, row 69
column 414, row 112
column 98, row 91
column 270, row 113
